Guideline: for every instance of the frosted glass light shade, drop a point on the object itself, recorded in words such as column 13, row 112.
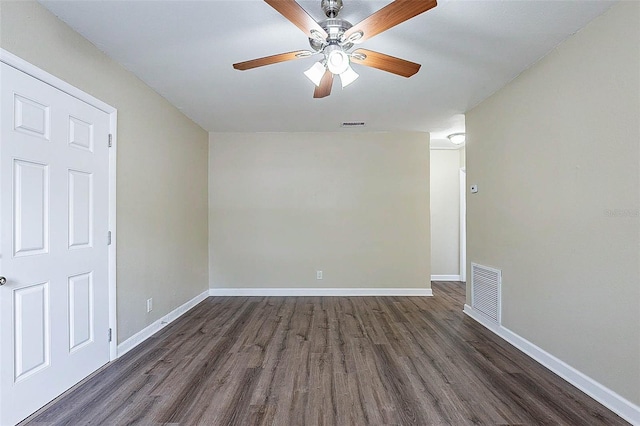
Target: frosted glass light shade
column 348, row 77
column 315, row 73
column 457, row 138
column 337, row 61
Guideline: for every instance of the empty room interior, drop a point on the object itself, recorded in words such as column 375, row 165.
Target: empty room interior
column 320, row 212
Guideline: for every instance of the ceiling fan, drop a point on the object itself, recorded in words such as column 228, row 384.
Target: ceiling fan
column 335, row 37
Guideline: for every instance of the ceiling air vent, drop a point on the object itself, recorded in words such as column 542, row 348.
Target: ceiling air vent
column 352, row 124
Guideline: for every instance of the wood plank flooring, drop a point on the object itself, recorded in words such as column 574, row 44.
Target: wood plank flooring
column 326, row 361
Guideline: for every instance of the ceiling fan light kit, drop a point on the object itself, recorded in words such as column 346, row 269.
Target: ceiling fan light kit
column 315, row 73
column 335, row 37
column 337, row 59
column 348, row 77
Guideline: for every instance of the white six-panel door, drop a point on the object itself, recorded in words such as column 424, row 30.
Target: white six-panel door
column 54, row 184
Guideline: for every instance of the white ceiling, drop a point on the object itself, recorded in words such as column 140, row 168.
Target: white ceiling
column 185, row 51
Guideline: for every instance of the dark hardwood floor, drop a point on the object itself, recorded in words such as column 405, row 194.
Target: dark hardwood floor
column 326, row 361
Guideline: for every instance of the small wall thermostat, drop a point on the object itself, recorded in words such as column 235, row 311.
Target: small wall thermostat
column 474, row 189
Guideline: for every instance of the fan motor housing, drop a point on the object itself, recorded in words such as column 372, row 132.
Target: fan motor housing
column 335, row 27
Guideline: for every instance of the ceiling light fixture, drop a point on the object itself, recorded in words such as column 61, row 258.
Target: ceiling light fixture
column 337, row 59
column 315, row 73
column 334, row 38
column 337, row 62
column 457, row 138
column 348, row 77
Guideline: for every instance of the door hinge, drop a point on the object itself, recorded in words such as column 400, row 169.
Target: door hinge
column 110, row 140
column 109, row 238
column 110, row 334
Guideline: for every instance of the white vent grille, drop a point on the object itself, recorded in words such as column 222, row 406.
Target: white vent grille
column 486, row 291
column 353, row 124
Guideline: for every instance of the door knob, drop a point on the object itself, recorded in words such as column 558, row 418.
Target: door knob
column 3, row 280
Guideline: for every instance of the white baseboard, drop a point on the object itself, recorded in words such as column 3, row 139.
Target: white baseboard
column 320, row 292
column 616, row 403
column 445, row 277
column 158, row 325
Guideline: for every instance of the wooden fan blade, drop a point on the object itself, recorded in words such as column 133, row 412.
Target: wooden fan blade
column 324, row 89
column 298, row 16
column 268, row 60
column 385, row 62
column 389, row 16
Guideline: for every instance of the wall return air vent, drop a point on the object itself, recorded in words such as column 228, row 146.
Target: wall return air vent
column 486, row 291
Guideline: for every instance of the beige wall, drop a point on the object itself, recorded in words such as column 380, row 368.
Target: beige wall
column 556, row 157
column 445, row 212
column 354, row 205
column 162, row 167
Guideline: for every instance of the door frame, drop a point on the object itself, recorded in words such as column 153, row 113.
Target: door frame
column 463, row 224
column 39, row 74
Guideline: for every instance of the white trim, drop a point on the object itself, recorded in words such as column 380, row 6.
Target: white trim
column 113, row 319
column 320, row 292
column 610, row 399
column 159, row 324
column 445, row 277
column 24, row 66
column 463, row 224
column 446, row 148
column 39, row 74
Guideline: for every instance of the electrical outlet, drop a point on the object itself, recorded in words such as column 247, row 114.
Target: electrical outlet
column 150, row 305
column 318, row 275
